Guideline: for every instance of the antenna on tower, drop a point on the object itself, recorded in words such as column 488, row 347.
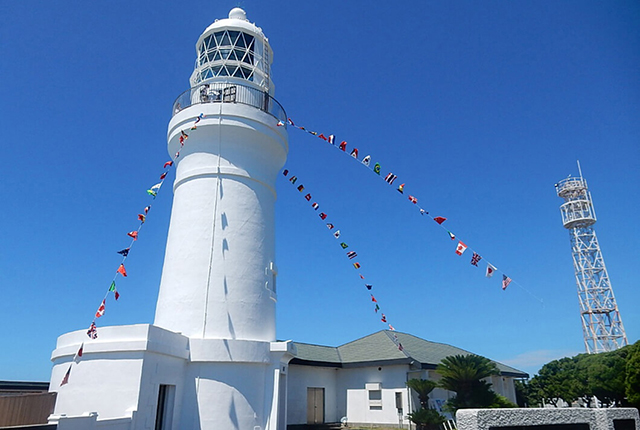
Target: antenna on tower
column 601, row 323
column 579, row 169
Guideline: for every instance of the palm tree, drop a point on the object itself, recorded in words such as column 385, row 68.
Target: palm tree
column 464, row 375
column 423, row 388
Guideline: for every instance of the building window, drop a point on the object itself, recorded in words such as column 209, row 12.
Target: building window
column 399, row 402
column 374, row 394
column 229, row 53
column 375, row 400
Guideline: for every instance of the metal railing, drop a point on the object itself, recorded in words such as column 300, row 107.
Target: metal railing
column 218, row 92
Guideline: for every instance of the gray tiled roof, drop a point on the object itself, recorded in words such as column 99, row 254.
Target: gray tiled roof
column 381, row 347
column 308, row 352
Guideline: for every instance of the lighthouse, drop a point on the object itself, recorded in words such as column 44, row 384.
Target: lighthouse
column 218, row 280
column 210, row 360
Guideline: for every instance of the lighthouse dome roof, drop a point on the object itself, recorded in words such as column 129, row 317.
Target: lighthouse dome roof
column 237, row 20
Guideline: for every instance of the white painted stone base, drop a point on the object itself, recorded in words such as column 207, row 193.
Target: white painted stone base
column 215, row 383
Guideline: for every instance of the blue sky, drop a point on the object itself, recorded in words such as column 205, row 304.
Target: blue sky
column 479, row 107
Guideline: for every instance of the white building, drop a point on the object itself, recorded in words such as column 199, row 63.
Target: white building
column 365, row 380
column 211, row 360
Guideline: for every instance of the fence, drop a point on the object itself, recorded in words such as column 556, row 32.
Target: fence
column 26, row 409
column 218, row 92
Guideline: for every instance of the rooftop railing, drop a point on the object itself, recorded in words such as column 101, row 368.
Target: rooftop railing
column 218, row 92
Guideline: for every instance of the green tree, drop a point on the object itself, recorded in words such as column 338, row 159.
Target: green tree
column 464, row 375
column 527, row 394
column 604, row 374
column 426, row 419
column 632, row 375
column 612, row 377
column 422, row 387
column 557, row 380
column 500, row 401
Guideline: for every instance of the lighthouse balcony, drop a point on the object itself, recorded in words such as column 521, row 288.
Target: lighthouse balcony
column 571, row 188
column 230, row 92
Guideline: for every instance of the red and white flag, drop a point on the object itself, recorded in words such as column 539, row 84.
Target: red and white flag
column 490, row 270
column 100, row 310
column 461, row 248
column 78, row 355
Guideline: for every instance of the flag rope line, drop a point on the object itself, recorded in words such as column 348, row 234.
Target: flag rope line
column 350, row 254
column 390, row 178
column 92, row 332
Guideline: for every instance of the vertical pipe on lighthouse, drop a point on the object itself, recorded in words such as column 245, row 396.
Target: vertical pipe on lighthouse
column 218, row 279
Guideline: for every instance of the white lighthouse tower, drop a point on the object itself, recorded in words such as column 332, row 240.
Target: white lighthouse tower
column 219, row 270
column 210, row 360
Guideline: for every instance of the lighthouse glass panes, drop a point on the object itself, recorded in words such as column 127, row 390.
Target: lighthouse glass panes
column 231, row 53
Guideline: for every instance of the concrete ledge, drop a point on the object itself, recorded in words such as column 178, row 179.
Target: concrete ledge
column 596, row 419
column 229, row 350
column 89, row 421
column 131, row 338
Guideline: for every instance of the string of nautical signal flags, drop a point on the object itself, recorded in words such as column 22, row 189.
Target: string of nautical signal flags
column 351, row 254
column 92, row 332
column 390, row 178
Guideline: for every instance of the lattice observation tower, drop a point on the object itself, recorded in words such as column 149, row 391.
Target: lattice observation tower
column 601, row 323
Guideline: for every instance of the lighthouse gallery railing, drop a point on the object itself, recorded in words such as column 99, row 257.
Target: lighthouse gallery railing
column 218, row 92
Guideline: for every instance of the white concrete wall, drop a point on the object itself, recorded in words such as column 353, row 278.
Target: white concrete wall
column 219, row 383
column 225, row 396
column 302, row 377
column 504, row 385
column 351, row 398
column 119, row 373
column 392, row 379
column 346, row 394
column 221, row 240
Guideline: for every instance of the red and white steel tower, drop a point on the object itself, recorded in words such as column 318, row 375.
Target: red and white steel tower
column 601, row 323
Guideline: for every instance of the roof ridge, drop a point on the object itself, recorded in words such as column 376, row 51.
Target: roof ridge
column 359, row 339
column 388, row 333
column 339, row 355
column 313, row 344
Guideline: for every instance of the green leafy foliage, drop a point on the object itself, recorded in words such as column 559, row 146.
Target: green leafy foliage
column 422, row 387
column 632, row 376
column 500, row 401
column 557, row 380
column 426, row 419
column 464, row 375
column 612, row 377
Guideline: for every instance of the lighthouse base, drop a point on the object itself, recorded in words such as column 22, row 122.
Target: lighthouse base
column 145, row 377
